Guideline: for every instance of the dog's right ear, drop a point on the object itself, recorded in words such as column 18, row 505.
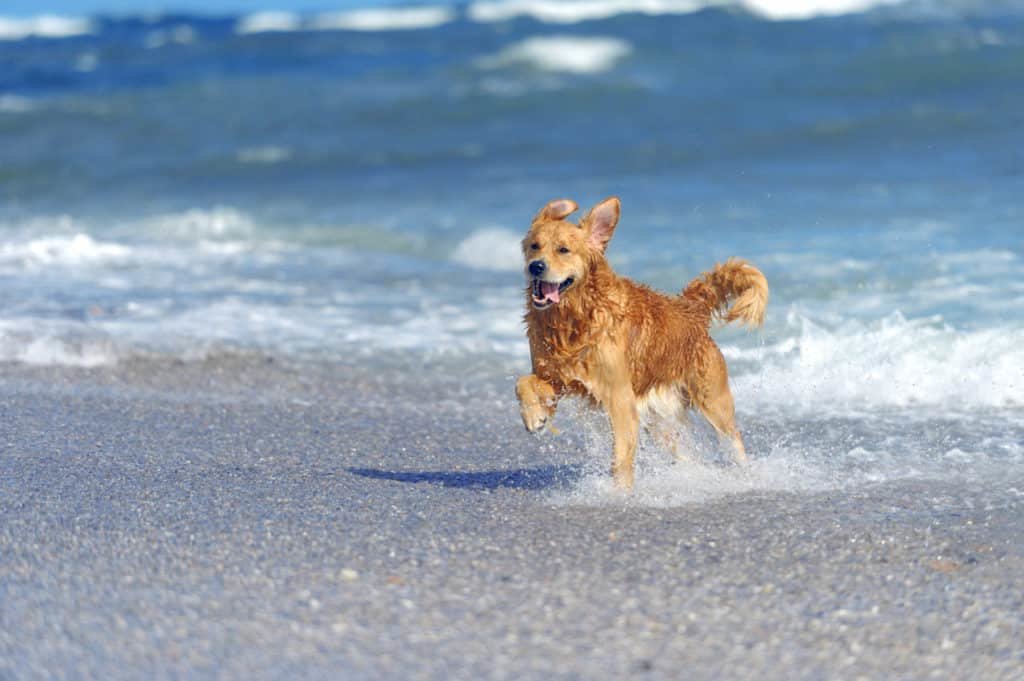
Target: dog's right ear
column 600, row 222
column 556, row 210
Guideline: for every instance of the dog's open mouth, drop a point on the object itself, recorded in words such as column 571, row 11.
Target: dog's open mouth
column 547, row 293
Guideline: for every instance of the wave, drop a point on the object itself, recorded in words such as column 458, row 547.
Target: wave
column 268, row 22
column 44, row 26
column 70, row 250
column 577, row 11
column 561, row 53
column 780, row 10
column 490, row 249
column 384, row 19
column 219, row 222
column 891, row 363
column 370, row 19
column 47, row 343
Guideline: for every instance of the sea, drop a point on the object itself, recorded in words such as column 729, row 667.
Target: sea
column 350, row 187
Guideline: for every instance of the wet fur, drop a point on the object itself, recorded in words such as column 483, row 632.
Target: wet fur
column 631, row 350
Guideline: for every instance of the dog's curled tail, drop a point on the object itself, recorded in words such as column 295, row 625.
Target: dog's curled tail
column 736, row 281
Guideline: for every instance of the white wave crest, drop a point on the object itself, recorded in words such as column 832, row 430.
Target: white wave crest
column 890, row 363
column 370, row 19
column 76, row 249
column 383, row 19
column 220, row 222
column 780, row 10
column 576, row 11
column 569, row 54
column 267, row 22
column 490, row 249
column 44, row 26
column 40, row 343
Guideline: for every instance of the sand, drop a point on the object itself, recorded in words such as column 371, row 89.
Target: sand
column 242, row 518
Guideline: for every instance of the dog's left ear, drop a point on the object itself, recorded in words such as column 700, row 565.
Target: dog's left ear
column 556, row 210
column 600, row 223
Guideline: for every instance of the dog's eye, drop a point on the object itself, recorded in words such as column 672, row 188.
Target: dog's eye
column 535, row 246
column 563, row 250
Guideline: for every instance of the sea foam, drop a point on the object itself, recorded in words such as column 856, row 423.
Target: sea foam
column 44, row 26
column 577, row 11
column 564, row 53
column 268, row 22
column 69, row 250
column 890, row 363
column 383, row 19
column 492, row 248
column 370, row 19
column 48, row 343
column 806, row 9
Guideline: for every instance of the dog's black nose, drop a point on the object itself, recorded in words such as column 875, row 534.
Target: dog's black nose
column 537, row 268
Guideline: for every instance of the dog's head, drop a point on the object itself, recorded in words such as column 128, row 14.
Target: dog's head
column 559, row 253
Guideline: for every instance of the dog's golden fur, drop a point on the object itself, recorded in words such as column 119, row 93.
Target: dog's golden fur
column 629, row 349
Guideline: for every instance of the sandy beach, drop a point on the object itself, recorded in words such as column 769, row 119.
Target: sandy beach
column 244, row 518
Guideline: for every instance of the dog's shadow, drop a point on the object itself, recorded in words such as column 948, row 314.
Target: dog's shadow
column 534, row 479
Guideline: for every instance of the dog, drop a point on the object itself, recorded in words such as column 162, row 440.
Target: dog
column 632, row 351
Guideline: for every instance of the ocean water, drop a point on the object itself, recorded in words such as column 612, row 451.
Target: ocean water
column 351, row 187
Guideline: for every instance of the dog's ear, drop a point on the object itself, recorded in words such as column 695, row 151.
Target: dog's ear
column 556, row 210
column 600, row 223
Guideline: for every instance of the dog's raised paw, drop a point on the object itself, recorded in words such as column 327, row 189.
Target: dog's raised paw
column 534, row 420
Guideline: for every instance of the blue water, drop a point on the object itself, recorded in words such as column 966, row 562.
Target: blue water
column 354, row 188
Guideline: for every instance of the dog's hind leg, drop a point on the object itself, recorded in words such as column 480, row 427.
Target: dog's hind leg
column 714, row 400
column 719, row 411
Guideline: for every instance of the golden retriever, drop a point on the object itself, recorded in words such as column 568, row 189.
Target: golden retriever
column 633, row 351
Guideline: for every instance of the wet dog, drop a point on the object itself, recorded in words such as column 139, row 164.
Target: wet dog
column 633, row 351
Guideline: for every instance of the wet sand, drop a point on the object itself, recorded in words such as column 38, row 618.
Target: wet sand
column 240, row 518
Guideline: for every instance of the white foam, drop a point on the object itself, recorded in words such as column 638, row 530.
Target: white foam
column 562, row 53
column 789, row 452
column 383, row 19
column 66, row 250
column 267, row 22
column 664, row 485
column 44, row 26
column 492, row 248
column 576, row 11
column 889, row 363
column 46, row 343
column 779, row 10
column 219, row 222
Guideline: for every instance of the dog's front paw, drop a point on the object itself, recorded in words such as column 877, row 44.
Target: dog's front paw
column 535, row 417
column 536, row 402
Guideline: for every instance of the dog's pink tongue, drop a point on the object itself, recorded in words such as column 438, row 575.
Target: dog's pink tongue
column 549, row 291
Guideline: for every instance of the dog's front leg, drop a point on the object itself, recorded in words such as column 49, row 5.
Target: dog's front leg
column 537, row 400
